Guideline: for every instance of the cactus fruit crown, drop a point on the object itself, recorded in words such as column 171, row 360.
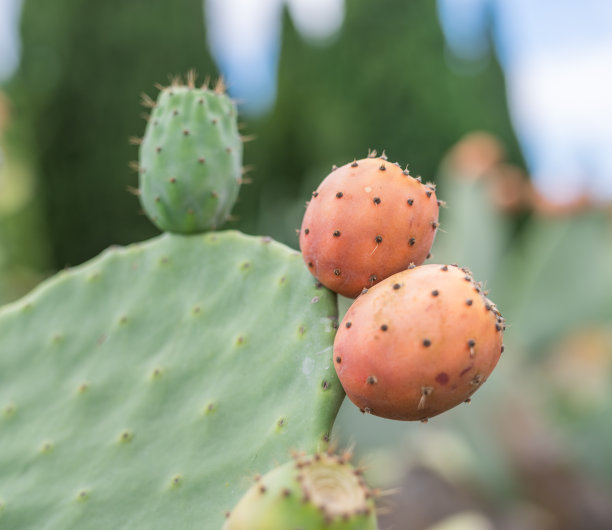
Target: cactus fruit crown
column 323, row 491
column 190, row 158
column 366, row 221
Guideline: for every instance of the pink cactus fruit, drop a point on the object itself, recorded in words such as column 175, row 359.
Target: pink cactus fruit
column 418, row 343
column 366, row 221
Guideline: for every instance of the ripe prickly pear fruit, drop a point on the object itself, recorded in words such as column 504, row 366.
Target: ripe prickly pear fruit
column 366, row 221
column 418, row 343
column 190, row 163
column 321, row 492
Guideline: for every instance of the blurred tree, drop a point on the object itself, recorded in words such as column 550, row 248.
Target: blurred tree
column 23, row 249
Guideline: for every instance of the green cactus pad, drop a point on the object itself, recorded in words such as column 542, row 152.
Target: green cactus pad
column 144, row 388
column 190, row 160
column 323, row 492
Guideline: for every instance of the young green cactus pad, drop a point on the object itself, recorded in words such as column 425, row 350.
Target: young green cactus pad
column 418, row 343
column 321, row 492
column 190, row 163
column 366, row 221
column 141, row 389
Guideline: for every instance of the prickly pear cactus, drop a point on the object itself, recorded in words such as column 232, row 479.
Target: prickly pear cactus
column 142, row 389
column 320, row 492
column 190, row 162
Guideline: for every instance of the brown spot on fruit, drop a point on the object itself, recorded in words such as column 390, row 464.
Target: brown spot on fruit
column 442, row 378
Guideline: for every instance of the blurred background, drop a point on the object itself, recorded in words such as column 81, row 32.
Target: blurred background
column 504, row 104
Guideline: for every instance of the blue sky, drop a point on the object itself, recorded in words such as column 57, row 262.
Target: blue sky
column 9, row 42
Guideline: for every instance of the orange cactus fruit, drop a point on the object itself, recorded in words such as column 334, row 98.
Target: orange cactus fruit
column 366, row 221
column 418, row 343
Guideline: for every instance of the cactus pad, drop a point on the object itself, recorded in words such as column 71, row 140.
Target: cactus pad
column 141, row 389
column 190, row 159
